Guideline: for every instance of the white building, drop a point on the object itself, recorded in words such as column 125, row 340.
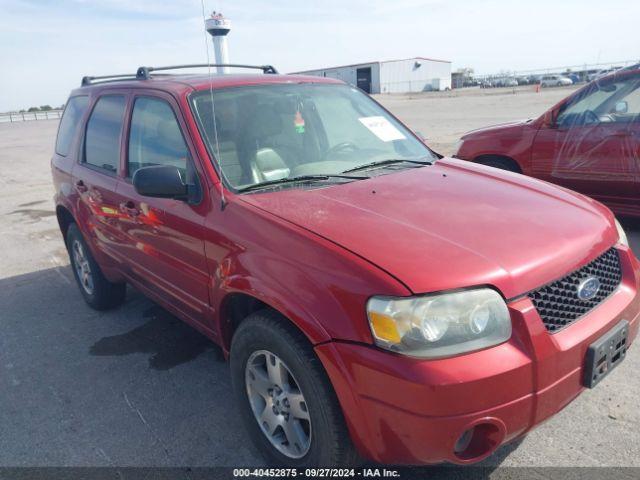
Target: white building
column 418, row 74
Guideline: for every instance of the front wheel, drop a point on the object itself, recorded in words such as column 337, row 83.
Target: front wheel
column 285, row 397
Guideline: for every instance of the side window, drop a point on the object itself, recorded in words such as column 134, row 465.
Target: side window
column 102, row 140
column 155, row 137
column 626, row 107
column 608, row 101
column 584, row 109
column 73, row 112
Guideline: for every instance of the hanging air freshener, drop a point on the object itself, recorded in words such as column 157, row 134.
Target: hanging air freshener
column 298, row 122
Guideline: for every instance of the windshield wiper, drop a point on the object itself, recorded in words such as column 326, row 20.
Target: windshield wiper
column 389, row 161
column 299, row 178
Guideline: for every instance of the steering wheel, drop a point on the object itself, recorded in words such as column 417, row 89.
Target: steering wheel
column 339, row 147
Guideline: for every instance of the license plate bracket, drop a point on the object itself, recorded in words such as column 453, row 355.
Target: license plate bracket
column 606, row 353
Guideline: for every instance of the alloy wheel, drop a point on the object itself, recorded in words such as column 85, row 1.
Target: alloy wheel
column 278, row 404
column 82, row 267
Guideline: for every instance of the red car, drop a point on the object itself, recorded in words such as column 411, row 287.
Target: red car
column 375, row 300
column 589, row 142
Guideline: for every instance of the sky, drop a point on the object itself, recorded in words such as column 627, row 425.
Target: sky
column 47, row 46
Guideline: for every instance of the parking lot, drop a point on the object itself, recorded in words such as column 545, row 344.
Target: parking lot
column 136, row 387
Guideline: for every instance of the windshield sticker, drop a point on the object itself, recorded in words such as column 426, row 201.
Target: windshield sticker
column 382, row 128
column 298, row 122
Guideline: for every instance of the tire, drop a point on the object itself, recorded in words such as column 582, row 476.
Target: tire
column 502, row 164
column 265, row 335
column 97, row 291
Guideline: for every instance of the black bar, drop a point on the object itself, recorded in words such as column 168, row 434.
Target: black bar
column 91, row 80
column 145, row 72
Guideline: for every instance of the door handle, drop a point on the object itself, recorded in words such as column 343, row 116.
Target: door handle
column 81, row 187
column 129, row 208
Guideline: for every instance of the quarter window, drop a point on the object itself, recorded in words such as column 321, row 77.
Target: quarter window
column 155, row 138
column 73, row 112
column 102, row 143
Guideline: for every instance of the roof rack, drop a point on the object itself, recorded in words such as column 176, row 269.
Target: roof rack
column 144, row 73
column 107, row 78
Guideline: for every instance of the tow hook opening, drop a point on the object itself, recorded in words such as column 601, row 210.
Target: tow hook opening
column 478, row 441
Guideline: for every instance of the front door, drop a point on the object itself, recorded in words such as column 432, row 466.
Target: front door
column 591, row 148
column 164, row 236
column 363, row 79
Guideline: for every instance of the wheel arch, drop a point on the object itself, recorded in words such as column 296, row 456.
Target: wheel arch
column 237, row 305
column 65, row 219
column 487, row 157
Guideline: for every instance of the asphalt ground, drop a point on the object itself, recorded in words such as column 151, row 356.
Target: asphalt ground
column 136, row 387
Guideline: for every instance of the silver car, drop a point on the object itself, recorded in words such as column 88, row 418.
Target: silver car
column 555, row 81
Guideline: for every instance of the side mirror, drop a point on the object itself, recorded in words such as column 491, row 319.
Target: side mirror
column 622, row 107
column 162, row 181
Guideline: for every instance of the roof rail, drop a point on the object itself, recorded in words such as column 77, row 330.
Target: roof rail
column 145, row 72
column 107, row 78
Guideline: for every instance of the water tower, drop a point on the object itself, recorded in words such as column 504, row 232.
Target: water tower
column 218, row 27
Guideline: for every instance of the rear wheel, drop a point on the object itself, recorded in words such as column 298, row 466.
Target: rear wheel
column 285, row 397
column 98, row 292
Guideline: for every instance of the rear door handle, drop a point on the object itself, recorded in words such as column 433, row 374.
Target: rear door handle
column 81, row 187
column 129, row 208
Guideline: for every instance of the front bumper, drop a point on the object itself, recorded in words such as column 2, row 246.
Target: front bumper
column 412, row 411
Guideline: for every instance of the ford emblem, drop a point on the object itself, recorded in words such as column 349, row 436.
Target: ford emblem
column 588, row 288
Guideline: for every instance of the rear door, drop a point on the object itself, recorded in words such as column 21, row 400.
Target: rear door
column 95, row 177
column 592, row 146
column 164, row 237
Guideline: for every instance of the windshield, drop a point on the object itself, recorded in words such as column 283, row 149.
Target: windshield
column 267, row 133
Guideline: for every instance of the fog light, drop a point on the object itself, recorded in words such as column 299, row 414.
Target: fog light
column 463, row 442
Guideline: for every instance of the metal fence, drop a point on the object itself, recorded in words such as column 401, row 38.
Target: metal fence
column 29, row 116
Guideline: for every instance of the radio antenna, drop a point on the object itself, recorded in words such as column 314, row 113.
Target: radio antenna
column 213, row 110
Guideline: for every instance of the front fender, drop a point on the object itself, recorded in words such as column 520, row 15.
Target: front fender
column 287, row 306
column 319, row 286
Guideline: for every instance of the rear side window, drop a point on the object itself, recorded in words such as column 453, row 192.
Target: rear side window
column 155, row 137
column 73, row 112
column 102, row 140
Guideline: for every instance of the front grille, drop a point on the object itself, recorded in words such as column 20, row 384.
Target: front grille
column 558, row 303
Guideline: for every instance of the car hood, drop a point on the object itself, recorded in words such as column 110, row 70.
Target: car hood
column 454, row 224
column 500, row 126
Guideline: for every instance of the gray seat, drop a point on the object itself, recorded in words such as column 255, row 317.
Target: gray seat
column 259, row 145
column 230, row 162
column 270, row 165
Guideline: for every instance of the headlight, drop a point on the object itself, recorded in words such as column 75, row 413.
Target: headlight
column 622, row 236
column 434, row 326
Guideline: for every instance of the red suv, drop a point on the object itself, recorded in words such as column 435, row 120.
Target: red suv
column 375, row 299
column 589, row 142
